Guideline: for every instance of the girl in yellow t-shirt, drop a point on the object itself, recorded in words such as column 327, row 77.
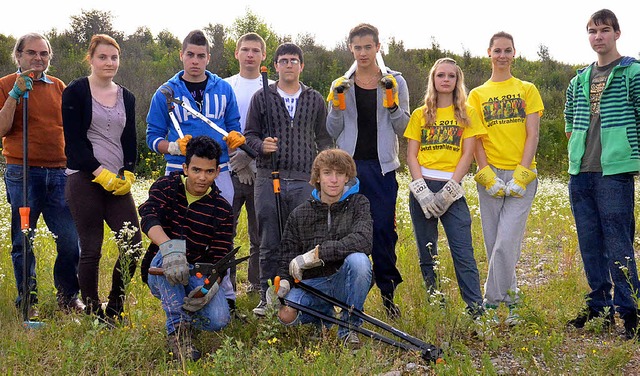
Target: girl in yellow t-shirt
column 441, row 140
column 511, row 110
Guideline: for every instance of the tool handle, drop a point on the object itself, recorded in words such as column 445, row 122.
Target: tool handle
column 24, row 218
column 276, row 283
column 342, row 105
column 250, row 152
column 389, row 92
column 156, row 271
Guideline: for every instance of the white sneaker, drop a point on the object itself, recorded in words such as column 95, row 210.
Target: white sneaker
column 352, row 340
column 261, row 309
column 513, row 318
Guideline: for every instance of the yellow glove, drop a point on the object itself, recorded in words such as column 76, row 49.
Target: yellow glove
column 128, row 178
column 234, row 139
column 108, row 180
column 341, row 82
column 179, row 146
column 491, row 182
column 522, row 176
column 390, row 86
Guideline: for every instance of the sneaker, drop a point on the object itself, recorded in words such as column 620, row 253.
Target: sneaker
column 180, row 345
column 351, row 340
column 513, row 318
column 630, row 325
column 261, row 309
column 70, row 304
column 588, row 314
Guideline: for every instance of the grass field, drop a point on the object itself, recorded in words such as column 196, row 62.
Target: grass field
column 550, row 277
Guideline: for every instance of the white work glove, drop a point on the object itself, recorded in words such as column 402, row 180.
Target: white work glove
column 305, row 261
column 245, row 175
column 492, row 183
column 179, row 146
column 423, row 195
column 239, row 160
column 451, row 192
column 174, row 261
column 284, row 288
column 192, row 304
column 517, row 186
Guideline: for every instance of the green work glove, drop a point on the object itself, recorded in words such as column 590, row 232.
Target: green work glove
column 23, row 84
column 108, row 180
column 193, row 304
column 517, row 186
column 174, row 261
column 305, row 261
column 492, row 183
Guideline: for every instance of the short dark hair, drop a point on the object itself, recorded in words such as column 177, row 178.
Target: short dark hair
column 362, row 30
column 288, row 48
column 604, row 16
column 203, row 147
column 196, row 37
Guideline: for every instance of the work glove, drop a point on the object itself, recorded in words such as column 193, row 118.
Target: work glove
column 174, row 261
column 108, row 180
column 492, row 183
column 23, row 84
column 179, row 146
column 192, row 304
column 305, row 261
column 423, row 195
column 284, row 288
column 451, row 192
column 385, row 81
column 517, row 186
column 246, row 175
column 234, row 139
column 340, row 82
column 127, row 179
column 239, row 160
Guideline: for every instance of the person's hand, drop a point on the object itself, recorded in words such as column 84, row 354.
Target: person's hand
column 245, row 175
column 23, row 84
column 239, row 160
column 517, row 186
column 443, row 199
column 340, row 85
column 284, row 288
column 492, row 183
column 192, row 304
column 108, row 180
column 126, row 181
column 234, row 139
column 179, row 146
column 270, row 145
column 423, row 195
column 305, row 261
column 389, row 82
column 174, row 261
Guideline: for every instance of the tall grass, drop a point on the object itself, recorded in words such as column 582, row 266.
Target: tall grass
column 550, row 275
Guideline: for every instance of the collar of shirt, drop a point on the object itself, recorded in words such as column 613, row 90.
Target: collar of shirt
column 43, row 78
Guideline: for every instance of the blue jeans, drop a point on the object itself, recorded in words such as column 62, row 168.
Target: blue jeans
column 350, row 284
column 382, row 192
column 603, row 210
column 46, row 197
column 212, row 317
column 456, row 222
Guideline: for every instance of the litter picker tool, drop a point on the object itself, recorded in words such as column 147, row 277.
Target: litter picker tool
column 383, row 69
column 25, row 212
column 168, row 93
column 210, row 272
column 275, row 174
column 428, row 351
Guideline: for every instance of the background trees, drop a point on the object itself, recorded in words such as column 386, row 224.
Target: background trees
column 147, row 61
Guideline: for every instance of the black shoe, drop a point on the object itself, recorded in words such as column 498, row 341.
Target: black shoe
column 630, row 325
column 392, row 309
column 588, row 314
column 70, row 304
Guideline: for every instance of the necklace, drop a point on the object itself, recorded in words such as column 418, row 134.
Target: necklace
column 367, row 82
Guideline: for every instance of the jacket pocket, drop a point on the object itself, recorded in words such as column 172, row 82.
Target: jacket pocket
column 615, row 145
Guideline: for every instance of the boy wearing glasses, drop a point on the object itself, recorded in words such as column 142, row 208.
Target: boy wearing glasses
column 46, row 175
column 298, row 114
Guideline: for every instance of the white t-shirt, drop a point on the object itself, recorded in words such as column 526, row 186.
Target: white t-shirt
column 244, row 88
column 290, row 101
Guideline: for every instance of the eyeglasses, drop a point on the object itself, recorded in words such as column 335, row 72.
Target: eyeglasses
column 32, row 53
column 285, row 62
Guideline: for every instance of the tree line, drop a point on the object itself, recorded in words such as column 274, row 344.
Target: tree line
column 147, row 61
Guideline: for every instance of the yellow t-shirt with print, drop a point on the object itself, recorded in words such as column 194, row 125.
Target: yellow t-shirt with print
column 503, row 108
column 441, row 142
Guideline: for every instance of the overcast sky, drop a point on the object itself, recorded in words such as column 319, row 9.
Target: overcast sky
column 455, row 25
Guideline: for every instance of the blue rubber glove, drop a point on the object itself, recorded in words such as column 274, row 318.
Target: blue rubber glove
column 23, row 84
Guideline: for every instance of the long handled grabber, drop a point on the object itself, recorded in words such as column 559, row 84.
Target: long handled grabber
column 168, row 93
column 428, row 351
column 210, row 272
column 383, row 69
column 275, row 174
column 25, row 211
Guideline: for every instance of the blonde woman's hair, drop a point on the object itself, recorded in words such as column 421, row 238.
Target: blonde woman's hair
column 459, row 95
